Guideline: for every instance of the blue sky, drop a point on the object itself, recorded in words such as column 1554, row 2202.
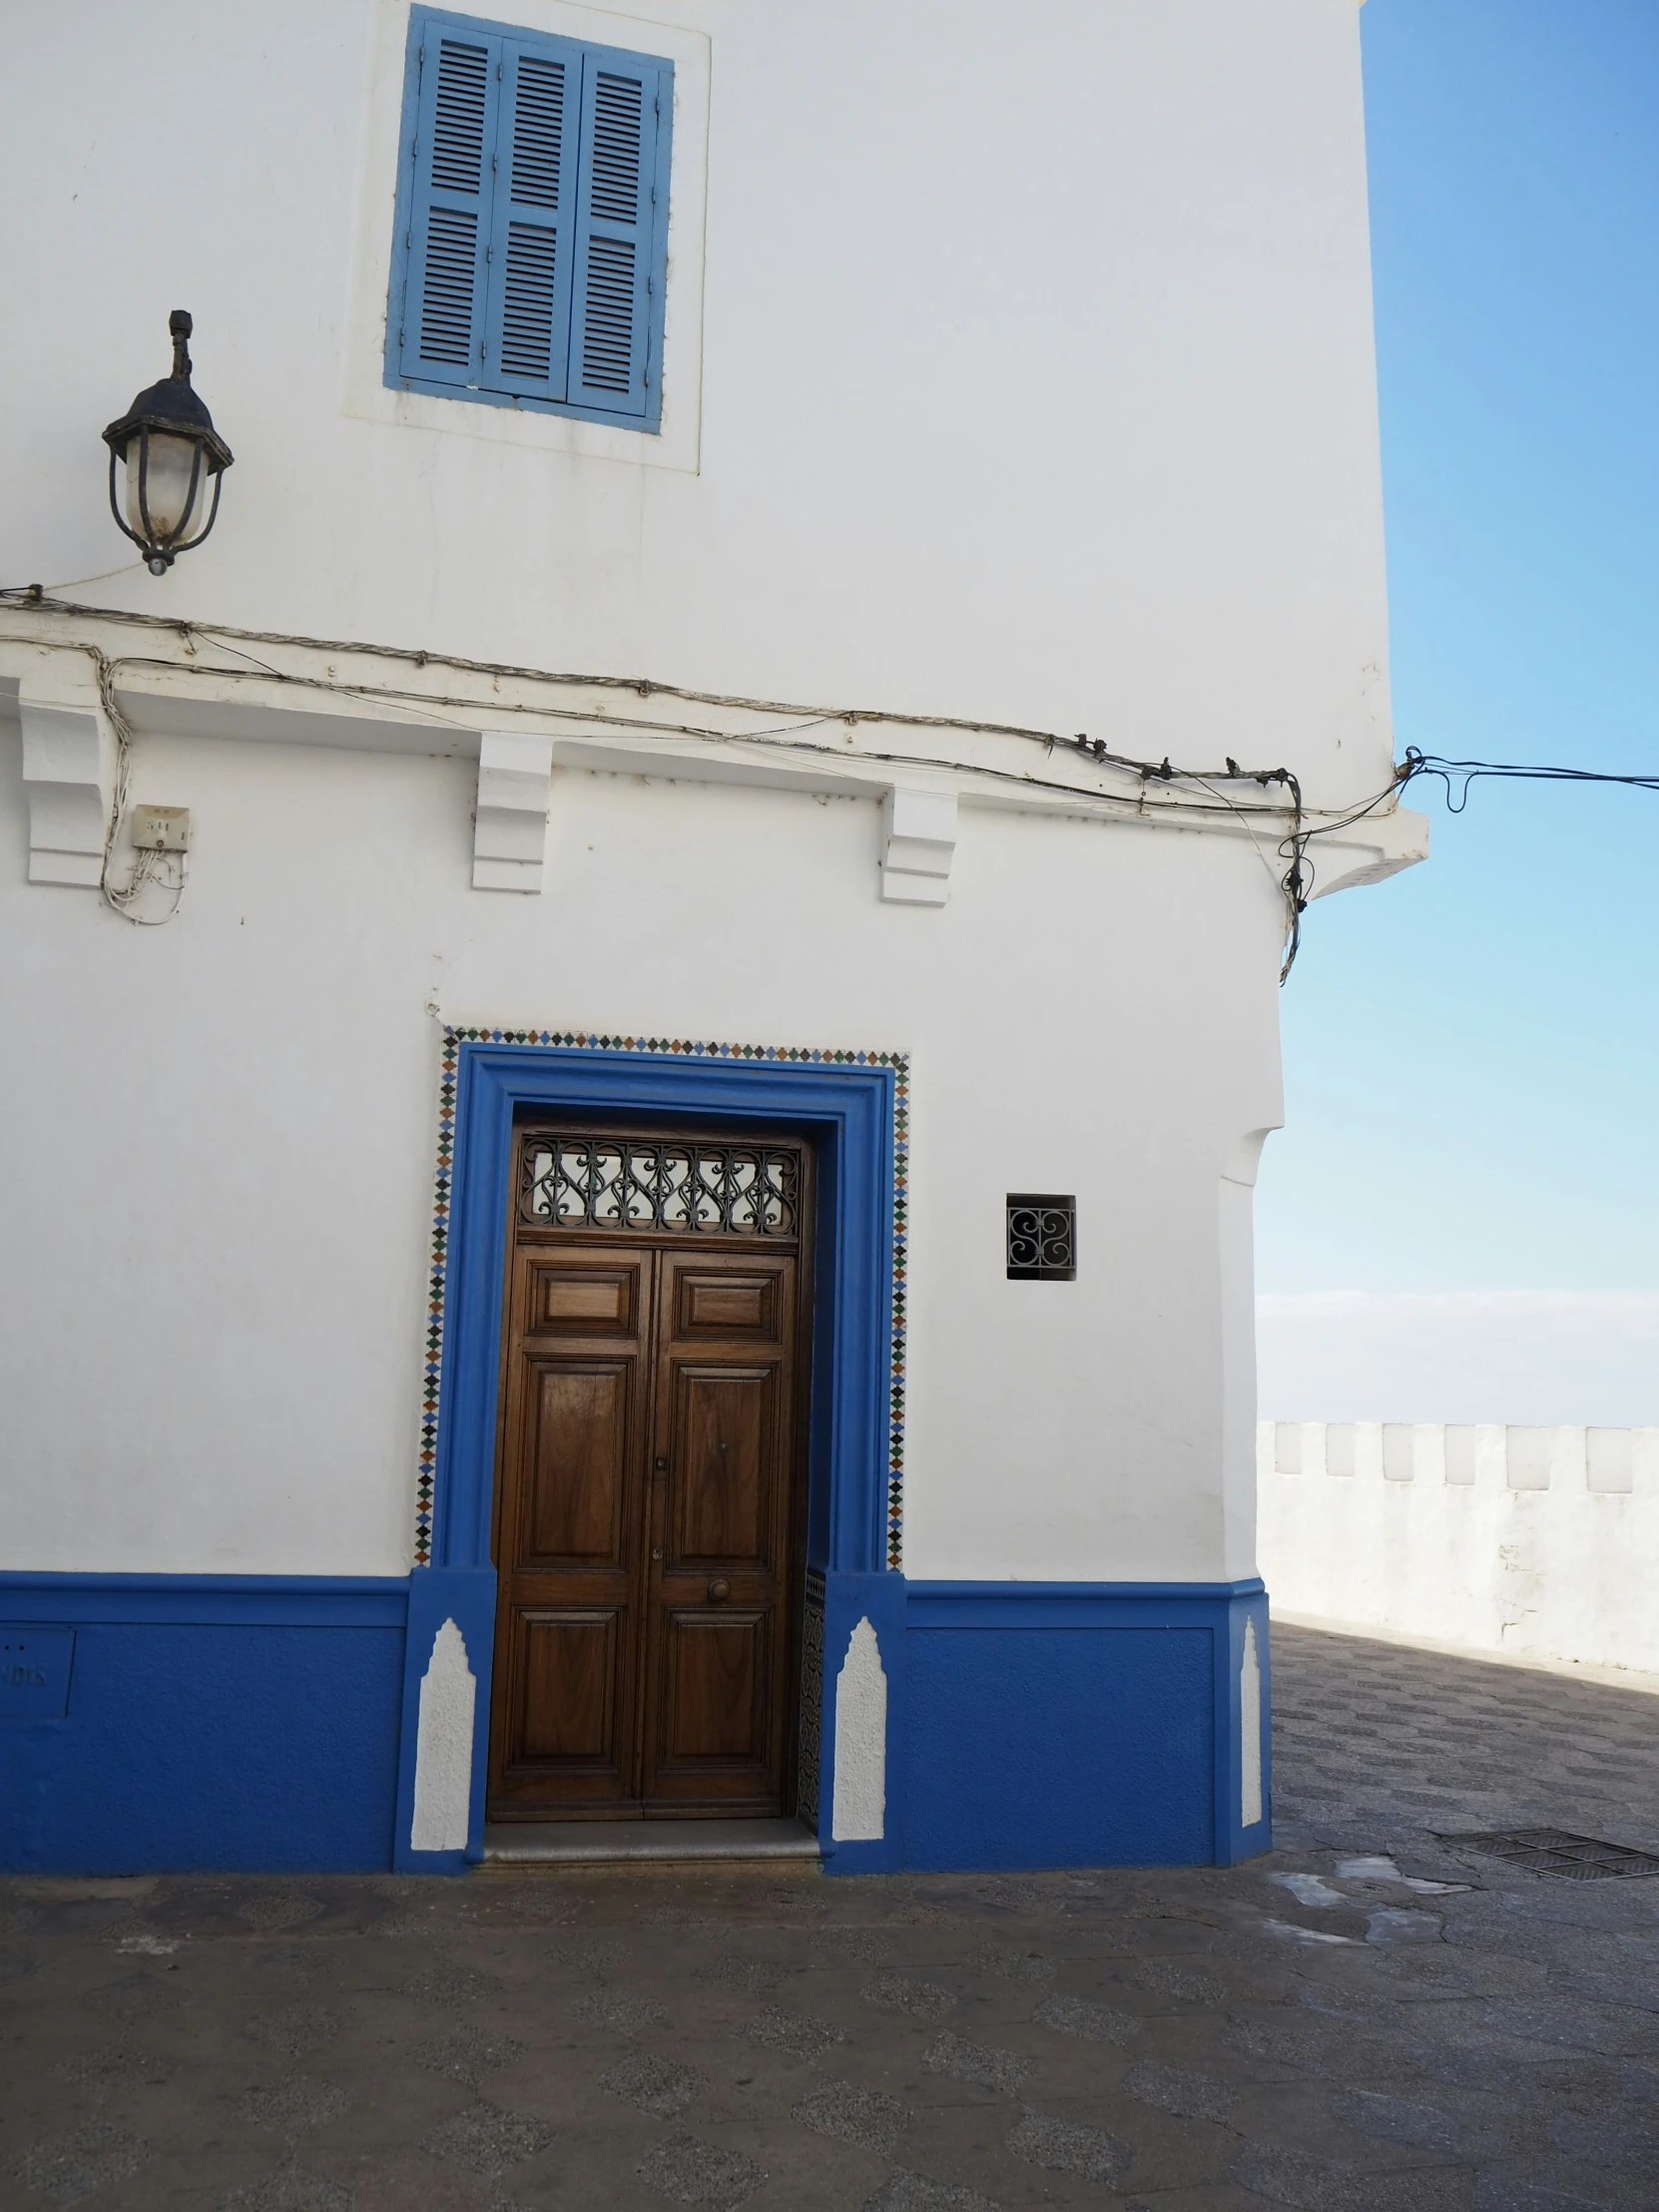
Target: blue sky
column 1472, row 1054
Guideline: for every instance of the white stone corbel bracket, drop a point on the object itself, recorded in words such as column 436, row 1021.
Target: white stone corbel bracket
column 919, row 843
column 1374, row 849
column 69, row 775
column 509, row 842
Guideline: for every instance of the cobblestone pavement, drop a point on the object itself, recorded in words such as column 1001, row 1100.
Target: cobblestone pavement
column 1307, row 2031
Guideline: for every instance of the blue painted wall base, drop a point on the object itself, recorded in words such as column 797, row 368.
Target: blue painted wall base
column 1055, row 1724
column 268, row 1724
column 237, row 1723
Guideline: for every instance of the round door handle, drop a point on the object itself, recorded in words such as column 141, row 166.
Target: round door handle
column 719, row 1592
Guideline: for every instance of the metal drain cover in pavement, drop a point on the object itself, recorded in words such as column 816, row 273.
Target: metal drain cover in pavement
column 1553, row 1851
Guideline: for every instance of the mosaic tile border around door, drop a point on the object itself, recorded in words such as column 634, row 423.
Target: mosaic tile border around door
column 583, row 1041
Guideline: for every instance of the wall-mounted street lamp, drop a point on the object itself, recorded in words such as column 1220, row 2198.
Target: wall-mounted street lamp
column 171, row 450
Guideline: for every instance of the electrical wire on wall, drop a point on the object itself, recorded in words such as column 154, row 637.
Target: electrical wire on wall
column 1457, row 778
column 166, row 869
column 1295, row 877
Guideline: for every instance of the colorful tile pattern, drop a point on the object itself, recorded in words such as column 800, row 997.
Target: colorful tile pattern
column 581, row 1041
column 809, row 1760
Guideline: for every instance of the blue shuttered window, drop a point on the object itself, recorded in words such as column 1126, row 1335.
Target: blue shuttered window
column 532, row 216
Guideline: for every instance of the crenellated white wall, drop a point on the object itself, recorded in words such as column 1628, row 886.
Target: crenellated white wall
column 1538, row 1542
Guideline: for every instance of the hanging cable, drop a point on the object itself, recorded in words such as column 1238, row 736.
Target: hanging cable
column 1458, row 776
column 40, row 595
column 148, row 866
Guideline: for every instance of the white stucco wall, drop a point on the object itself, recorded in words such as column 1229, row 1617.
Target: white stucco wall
column 1032, row 378
column 219, row 1184
column 1537, row 1542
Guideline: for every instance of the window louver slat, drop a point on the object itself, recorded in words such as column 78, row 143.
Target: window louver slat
column 616, row 148
column 528, row 298
column 538, row 132
column 446, row 301
column 459, row 124
column 608, row 328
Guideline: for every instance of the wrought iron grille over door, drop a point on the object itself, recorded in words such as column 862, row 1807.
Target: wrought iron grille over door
column 572, row 1181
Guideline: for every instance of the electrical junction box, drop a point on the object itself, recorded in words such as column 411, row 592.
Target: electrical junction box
column 35, row 1667
column 160, row 828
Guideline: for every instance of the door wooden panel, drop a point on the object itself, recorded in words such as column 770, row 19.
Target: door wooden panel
column 714, row 1691
column 725, row 1306
column 575, row 1494
column 585, row 1301
column 567, row 1682
column 647, row 1522
column 724, row 1455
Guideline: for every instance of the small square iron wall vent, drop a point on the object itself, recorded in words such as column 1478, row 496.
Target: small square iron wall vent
column 1042, row 1238
column 1554, row 1851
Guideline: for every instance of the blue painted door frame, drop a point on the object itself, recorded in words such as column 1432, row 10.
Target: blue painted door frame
column 847, row 1111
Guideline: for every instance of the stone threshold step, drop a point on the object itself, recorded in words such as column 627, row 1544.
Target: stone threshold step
column 635, row 1843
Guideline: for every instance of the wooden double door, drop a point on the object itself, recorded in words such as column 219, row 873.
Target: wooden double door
column 650, row 1479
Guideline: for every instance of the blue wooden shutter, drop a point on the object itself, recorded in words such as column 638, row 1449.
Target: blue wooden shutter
column 617, row 229
column 442, row 329
column 527, row 341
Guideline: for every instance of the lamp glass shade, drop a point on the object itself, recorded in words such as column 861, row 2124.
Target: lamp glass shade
column 174, row 517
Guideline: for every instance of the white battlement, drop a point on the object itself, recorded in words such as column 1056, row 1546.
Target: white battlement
column 1533, row 1541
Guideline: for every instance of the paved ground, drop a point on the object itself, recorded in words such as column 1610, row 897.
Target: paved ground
column 1288, row 2034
